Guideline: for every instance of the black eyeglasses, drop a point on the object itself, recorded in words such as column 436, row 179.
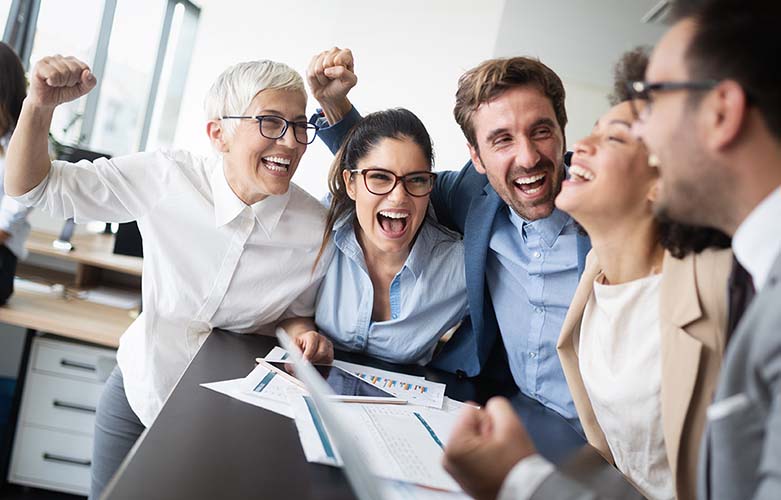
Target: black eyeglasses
column 642, row 91
column 380, row 181
column 273, row 127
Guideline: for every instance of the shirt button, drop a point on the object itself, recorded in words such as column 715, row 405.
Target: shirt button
column 532, row 355
column 395, row 316
column 537, row 255
column 538, row 309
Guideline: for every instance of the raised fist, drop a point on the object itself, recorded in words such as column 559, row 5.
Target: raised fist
column 57, row 79
column 331, row 75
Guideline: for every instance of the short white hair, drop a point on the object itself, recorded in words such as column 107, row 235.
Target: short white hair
column 237, row 86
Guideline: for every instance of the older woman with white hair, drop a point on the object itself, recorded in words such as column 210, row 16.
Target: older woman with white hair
column 229, row 242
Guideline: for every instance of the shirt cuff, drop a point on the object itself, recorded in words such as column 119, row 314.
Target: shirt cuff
column 524, row 479
column 332, row 134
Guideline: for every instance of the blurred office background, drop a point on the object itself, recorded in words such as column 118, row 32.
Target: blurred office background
column 155, row 60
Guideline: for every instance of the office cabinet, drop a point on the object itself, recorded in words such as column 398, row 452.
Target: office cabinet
column 53, row 443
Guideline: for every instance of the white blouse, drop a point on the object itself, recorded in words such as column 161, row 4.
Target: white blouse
column 620, row 362
column 210, row 261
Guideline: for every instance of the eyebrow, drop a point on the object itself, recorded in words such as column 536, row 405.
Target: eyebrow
column 620, row 122
column 280, row 114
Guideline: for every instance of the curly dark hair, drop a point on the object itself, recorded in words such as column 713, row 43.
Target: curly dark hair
column 630, row 68
column 678, row 239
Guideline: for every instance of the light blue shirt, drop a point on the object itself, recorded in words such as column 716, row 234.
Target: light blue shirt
column 532, row 273
column 427, row 297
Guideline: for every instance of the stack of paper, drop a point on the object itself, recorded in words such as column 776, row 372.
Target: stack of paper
column 401, row 443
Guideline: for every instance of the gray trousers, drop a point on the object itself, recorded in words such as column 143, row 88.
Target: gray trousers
column 117, row 429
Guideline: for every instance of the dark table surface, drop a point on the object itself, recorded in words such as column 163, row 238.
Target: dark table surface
column 205, row 445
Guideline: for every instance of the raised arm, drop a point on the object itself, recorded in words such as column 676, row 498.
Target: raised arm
column 53, row 81
column 331, row 75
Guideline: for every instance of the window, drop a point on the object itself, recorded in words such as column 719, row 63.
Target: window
column 54, row 34
column 5, row 10
column 127, row 79
column 138, row 49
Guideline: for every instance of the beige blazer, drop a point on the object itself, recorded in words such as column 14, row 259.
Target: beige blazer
column 693, row 314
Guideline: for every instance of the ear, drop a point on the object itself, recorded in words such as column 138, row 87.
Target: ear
column 476, row 161
column 349, row 183
column 653, row 192
column 217, row 136
column 725, row 114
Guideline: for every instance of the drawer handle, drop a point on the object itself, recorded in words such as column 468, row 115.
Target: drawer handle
column 66, row 460
column 73, row 406
column 75, row 364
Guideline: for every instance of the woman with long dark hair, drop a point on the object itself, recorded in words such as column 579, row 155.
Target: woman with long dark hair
column 14, row 227
column 396, row 284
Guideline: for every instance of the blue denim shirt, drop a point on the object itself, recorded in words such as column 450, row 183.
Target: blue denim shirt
column 532, row 274
column 427, row 297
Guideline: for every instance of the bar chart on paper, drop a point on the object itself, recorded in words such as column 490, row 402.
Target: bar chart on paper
column 415, row 390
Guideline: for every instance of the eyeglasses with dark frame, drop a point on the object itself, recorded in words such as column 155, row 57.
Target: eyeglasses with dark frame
column 380, row 181
column 641, row 91
column 273, row 127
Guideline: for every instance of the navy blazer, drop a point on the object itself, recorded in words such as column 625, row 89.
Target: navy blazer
column 465, row 202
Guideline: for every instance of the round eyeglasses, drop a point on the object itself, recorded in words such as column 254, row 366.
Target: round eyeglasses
column 380, row 181
column 273, row 127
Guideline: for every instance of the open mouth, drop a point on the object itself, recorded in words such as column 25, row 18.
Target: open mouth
column 532, row 184
column 392, row 223
column 276, row 164
column 580, row 174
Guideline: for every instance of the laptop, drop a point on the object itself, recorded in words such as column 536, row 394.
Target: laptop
column 364, row 484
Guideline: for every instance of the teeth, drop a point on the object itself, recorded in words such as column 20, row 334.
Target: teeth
column 276, row 168
column 277, row 159
column 394, row 215
column 581, row 172
column 529, row 180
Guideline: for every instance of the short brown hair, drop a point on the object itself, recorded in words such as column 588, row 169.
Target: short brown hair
column 493, row 77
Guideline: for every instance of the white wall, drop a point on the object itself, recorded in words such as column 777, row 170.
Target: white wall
column 408, row 53
column 580, row 40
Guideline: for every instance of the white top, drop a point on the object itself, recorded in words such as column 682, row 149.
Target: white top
column 757, row 242
column 210, row 261
column 619, row 356
column 13, row 215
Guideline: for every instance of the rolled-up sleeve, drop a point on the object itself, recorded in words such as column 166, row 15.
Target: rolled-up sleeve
column 117, row 190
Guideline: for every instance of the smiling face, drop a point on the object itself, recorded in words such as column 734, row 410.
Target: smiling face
column 520, row 148
column 691, row 189
column 610, row 179
column 388, row 223
column 255, row 166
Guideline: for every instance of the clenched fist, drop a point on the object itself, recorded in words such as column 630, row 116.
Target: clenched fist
column 56, row 80
column 331, row 75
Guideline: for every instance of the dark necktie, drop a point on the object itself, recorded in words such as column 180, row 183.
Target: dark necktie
column 741, row 292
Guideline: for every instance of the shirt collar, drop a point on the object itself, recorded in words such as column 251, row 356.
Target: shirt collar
column 757, row 242
column 549, row 227
column 228, row 206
